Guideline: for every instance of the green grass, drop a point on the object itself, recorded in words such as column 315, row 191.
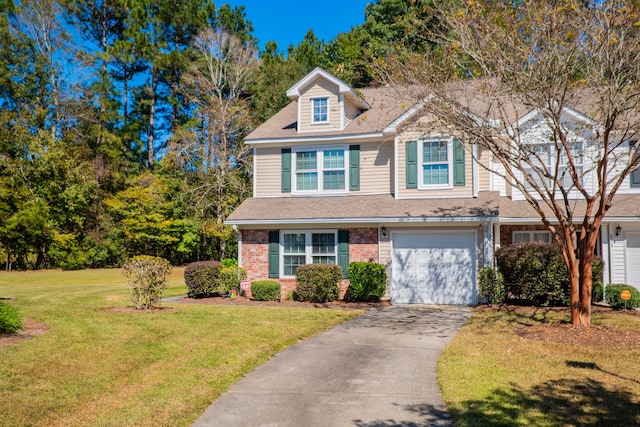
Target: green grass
column 490, row 375
column 102, row 367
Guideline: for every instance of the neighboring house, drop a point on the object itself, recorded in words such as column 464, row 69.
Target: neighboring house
column 343, row 175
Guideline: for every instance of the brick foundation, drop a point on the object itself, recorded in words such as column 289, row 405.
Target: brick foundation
column 363, row 247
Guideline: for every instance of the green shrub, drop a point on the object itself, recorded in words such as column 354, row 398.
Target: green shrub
column 613, row 296
column 147, row 277
column 367, row 281
column 491, row 285
column 265, row 290
column 10, row 320
column 200, row 278
column 229, row 279
column 536, row 272
column 318, row 283
column 229, row 262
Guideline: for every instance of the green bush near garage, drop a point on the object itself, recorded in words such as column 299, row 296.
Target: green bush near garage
column 367, row 281
column 535, row 272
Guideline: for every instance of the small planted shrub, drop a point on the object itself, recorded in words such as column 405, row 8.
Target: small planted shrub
column 318, row 283
column 491, row 285
column 10, row 320
column 613, row 296
column 147, row 278
column 367, row 281
column 265, row 290
column 229, row 280
column 201, row 277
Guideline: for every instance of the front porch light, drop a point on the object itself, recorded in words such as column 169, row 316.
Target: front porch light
column 618, row 230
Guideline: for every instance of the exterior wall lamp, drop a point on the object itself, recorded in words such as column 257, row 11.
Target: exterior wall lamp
column 383, row 232
column 618, row 230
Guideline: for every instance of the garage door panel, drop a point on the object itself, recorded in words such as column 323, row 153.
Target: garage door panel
column 433, row 268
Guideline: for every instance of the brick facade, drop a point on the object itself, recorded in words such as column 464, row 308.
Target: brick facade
column 363, row 246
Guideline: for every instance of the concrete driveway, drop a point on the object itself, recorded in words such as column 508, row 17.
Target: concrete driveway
column 376, row 370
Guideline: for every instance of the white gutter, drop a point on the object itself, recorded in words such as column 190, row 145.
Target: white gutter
column 326, row 138
column 386, row 220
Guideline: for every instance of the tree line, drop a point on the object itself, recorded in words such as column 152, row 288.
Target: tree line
column 122, row 121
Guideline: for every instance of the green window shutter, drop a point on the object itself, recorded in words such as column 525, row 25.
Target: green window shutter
column 343, row 251
column 286, row 170
column 354, row 167
column 274, row 254
column 412, row 164
column 458, row 163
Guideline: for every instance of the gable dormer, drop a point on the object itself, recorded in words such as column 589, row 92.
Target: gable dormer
column 325, row 103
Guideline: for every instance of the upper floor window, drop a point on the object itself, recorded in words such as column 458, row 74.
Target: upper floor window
column 436, row 163
column 320, row 113
column 543, row 159
column 320, row 169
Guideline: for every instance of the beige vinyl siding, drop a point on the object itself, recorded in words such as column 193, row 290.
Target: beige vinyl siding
column 484, row 178
column 376, row 169
column 268, row 163
column 350, row 112
column 410, row 193
column 320, row 89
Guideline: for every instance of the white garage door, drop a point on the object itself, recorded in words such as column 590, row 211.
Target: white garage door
column 434, row 268
column 633, row 259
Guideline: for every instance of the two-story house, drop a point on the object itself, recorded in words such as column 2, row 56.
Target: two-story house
column 342, row 175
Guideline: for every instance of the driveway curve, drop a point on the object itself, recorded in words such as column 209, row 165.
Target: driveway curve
column 376, row 370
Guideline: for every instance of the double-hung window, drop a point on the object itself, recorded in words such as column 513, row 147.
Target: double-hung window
column 320, row 110
column 436, row 156
column 320, row 169
column 531, row 236
column 308, row 247
column 542, row 161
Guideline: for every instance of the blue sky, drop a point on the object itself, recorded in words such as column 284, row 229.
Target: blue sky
column 287, row 21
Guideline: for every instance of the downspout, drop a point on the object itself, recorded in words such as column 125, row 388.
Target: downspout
column 238, row 234
column 609, row 260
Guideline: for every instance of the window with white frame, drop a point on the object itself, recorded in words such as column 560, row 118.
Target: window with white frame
column 320, row 110
column 436, row 157
column 308, row 247
column 527, row 236
column 543, row 159
column 318, row 169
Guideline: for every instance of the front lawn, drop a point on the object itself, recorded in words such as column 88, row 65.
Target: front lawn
column 496, row 372
column 98, row 364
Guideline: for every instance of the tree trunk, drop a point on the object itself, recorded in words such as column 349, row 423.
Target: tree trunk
column 152, row 113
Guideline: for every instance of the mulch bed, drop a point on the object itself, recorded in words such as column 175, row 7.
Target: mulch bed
column 565, row 333
column 30, row 329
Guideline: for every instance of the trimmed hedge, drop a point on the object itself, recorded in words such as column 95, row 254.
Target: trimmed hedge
column 318, row 283
column 614, row 299
column 367, row 281
column 265, row 290
column 147, row 278
column 535, row 272
column 10, row 320
column 200, row 278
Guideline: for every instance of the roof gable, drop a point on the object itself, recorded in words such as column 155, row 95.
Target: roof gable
column 347, row 91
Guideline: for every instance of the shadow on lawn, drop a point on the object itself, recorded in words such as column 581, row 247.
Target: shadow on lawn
column 560, row 402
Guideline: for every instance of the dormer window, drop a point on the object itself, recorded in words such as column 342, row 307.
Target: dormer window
column 320, row 111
